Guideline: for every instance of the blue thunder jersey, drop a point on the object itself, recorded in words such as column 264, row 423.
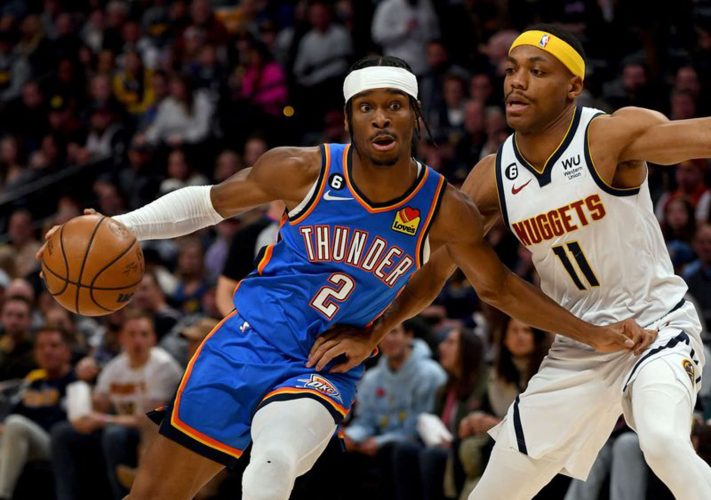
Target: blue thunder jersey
column 340, row 258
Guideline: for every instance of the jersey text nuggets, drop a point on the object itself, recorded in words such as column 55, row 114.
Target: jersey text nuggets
column 565, row 219
column 326, row 243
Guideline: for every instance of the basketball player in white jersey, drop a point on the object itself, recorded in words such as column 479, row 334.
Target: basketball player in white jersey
column 571, row 183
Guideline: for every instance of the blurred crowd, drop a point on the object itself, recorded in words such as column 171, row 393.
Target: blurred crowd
column 111, row 104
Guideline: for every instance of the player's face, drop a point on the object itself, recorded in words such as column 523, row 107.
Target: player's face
column 519, row 339
column 537, row 88
column 383, row 124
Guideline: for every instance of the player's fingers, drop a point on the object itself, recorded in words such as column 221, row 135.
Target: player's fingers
column 89, row 211
column 316, row 347
column 335, row 351
column 649, row 337
column 344, row 367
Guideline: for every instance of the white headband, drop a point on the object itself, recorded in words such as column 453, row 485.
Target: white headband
column 379, row 77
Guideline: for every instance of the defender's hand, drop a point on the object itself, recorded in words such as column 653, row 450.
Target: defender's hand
column 353, row 343
column 623, row 335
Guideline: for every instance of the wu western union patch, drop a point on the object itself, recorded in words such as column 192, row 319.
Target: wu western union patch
column 407, row 220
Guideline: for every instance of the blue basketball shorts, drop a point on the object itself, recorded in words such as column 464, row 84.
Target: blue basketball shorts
column 234, row 372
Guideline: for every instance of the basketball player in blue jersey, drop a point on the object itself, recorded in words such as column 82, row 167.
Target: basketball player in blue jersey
column 361, row 219
column 571, row 183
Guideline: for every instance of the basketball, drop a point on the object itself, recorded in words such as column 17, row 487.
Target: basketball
column 92, row 265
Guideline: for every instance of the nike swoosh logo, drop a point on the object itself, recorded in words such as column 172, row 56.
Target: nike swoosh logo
column 515, row 190
column 329, row 197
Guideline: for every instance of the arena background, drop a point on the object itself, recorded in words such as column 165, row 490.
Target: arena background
column 109, row 105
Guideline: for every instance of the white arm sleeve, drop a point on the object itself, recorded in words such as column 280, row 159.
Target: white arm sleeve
column 176, row 214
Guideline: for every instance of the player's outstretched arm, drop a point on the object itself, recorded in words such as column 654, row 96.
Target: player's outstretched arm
column 281, row 173
column 460, row 228
column 638, row 134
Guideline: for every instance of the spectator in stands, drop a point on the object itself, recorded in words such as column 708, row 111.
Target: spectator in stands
column 23, row 242
column 698, row 274
column 678, row 227
column 138, row 178
column 180, row 173
column 255, row 147
column 496, row 130
column 322, row 59
column 16, row 359
column 110, row 199
column 203, row 17
column 25, row 432
column 689, row 177
column 682, row 105
column 139, row 379
column 14, row 70
column 521, row 350
column 107, row 138
column 260, row 229
column 632, row 88
column 227, row 164
column 183, row 118
column 450, row 120
column 13, row 168
column 264, row 81
column 403, row 28
column 149, row 297
column 621, row 459
column 419, row 471
column 27, row 116
column 192, row 282
column 133, row 84
column 216, row 253
column 391, row 397
column 469, row 145
column 196, row 333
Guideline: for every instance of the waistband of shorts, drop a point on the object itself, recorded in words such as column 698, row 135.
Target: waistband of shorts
column 678, row 306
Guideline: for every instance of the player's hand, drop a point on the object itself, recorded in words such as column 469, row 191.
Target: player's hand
column 623, row 335
column 54, row 229
column 353, row 343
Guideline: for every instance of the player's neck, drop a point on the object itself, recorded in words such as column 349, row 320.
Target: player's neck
column 538, row 145
column 381, row 184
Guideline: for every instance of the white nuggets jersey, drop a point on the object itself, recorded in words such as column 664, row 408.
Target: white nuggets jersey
column 598, row 250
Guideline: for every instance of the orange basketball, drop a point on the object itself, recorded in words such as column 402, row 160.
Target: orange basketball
column 92, row 265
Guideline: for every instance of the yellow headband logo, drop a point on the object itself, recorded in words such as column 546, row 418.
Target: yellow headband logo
column 556, row 47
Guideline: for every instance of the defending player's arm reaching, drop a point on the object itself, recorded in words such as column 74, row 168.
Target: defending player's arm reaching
column 459, row 234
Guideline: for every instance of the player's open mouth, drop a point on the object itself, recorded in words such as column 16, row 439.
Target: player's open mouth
column 384, row 142
column 516, row 106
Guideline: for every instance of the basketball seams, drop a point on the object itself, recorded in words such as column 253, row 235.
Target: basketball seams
column 66, row 262
column 100, row 271
column 86, row 255
column 100, row 288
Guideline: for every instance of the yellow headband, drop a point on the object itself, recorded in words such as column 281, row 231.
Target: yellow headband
column 558, row 48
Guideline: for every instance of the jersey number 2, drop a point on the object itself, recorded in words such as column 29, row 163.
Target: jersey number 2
column 339, row 289
column 577, row 253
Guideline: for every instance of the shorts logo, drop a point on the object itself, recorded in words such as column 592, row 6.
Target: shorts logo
column 322, row 385
column 689, row 369
column 407, row 221
column 544, row 41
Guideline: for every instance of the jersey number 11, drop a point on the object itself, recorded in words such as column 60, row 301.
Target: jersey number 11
column 577, row 253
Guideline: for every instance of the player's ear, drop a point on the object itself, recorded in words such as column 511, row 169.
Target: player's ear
column 575, row 87
column 345, row 120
